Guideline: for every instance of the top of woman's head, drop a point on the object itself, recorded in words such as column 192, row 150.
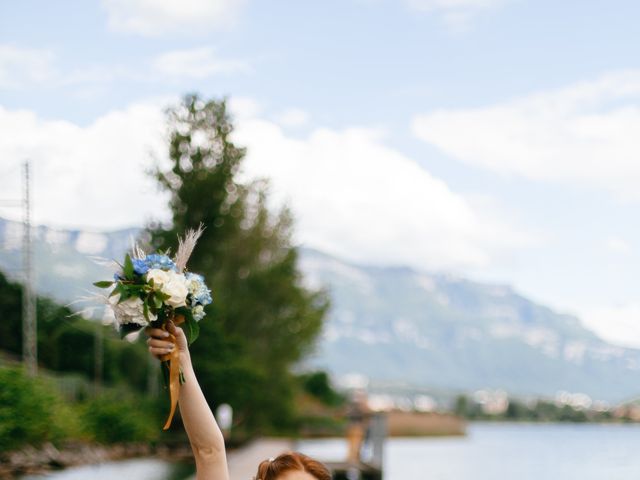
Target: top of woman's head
column 292, row 466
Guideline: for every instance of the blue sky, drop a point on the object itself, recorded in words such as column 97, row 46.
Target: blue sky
column 496, row 138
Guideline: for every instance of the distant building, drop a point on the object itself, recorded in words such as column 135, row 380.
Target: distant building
column 578, row 401
column 492, row 402
column 630, row 411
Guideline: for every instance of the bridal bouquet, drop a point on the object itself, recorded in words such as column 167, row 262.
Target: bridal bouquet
column 154, row 289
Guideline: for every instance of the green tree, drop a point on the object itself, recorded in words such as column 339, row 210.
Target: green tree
column 318, row 385
column 66, row 341
column 461, row 406
column 32, row 411
column 116, row 417
column 517, row 410
column 262, row 320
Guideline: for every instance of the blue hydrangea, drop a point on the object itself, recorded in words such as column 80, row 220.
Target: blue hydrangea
column 154, row 260
column 200, row 294
column 204, row 298
column 140, row 266
column 162, row 262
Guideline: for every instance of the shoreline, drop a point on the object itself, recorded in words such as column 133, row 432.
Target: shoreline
column 30, row 460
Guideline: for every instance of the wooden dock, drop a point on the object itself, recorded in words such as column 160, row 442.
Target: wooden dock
column 361, row 471
column 370, row 465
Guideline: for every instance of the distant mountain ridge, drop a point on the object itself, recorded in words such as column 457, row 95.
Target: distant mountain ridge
column 452, row 333
column 66, row 263
column 396, row 324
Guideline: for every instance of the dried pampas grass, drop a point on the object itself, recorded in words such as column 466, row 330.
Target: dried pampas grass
column 186, row 246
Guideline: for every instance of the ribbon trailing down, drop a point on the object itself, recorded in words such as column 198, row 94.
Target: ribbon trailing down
column 172, row 362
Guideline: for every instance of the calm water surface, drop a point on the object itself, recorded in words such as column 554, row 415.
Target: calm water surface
column 509, row 451
column 136, row 469
column 488, row 452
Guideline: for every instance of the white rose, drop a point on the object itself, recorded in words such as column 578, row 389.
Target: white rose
column 170, row 283
column 177, row 290
column 129, row 311
column 159, row 277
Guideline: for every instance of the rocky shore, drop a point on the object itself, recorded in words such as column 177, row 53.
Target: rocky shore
column 30, row 460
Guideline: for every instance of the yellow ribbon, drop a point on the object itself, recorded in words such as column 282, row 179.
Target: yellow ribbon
column 174, row 372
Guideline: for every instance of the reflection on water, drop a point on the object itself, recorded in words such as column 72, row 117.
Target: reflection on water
column 138, row 469
column 495, row 451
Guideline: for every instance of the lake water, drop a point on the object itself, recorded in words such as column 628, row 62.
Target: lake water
column 135, row 469
column 508, row 451
column 488, row 452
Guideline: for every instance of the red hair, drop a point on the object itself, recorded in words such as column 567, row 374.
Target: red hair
column 292, row 461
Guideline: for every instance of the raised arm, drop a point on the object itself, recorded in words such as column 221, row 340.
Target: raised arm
column 204, row 434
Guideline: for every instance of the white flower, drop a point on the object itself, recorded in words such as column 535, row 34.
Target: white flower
column 194, row 285
column 129, row 311
column 170, row 283
column 159, row 277
column 197, row 312
column 176, row 287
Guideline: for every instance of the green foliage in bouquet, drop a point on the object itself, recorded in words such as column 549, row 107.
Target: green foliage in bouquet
column 152, row 289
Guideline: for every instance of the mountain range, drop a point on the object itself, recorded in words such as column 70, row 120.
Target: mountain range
column 394, row 325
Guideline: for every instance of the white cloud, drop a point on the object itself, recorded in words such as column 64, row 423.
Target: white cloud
column 585, row 134
column 101, row 75
column 618, row 324
column 27, row 68
column 357, row 198
column 351, row 194
column 158, row 17
column 196, row 63
column 292, row 117
column 20, row 66
column 242, row 108
column 93, row 175
column 457, row 14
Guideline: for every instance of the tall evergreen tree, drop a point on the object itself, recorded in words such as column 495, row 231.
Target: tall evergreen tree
column 263, row 319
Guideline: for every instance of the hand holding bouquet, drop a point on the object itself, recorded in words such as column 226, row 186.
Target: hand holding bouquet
column 153, row 290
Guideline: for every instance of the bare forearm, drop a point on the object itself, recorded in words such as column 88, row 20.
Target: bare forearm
column 204, row 434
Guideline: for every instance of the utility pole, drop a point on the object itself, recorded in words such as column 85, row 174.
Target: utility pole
column 29, row 332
